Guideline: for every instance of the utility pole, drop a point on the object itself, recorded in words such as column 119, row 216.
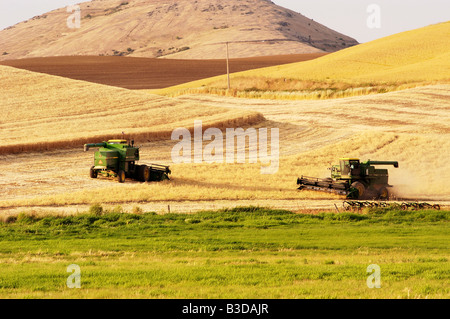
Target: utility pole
column 228, row 68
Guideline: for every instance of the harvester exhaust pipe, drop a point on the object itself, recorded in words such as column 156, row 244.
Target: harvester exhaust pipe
column 87, row 146
column 394, row 163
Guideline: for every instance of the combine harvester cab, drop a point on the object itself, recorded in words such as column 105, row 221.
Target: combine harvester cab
column 355, row 179
column 117, row 158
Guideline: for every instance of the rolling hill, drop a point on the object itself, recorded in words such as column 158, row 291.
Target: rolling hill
column 42, row 112
column 172, row 29
column 414, row 57
column 417, row 55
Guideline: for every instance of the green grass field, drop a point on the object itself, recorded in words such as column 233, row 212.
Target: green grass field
column 246, row 252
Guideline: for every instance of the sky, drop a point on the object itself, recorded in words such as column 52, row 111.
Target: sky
column 350, row 17
column 363, row 20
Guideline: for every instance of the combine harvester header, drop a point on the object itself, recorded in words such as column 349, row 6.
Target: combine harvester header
column 355, row 179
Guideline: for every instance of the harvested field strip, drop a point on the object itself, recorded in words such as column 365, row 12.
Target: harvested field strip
column 248, row 120
column 423, row 109
column 146, row 73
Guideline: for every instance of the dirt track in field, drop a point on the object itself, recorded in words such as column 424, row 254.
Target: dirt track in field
column 162, row 207
column 146, row 73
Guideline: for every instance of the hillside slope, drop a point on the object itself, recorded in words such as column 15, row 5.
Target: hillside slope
column 173, row 29
column 417, row 56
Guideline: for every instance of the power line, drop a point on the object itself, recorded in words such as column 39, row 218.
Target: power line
column 242, row 41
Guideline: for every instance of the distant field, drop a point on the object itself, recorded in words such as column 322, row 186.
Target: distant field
column 146, row 73
column 399, row 61
column 245, row 252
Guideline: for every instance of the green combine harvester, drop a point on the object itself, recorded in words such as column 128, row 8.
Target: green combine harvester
column 117, row 158
column 355, row 179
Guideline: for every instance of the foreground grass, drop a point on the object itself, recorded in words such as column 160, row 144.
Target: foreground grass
column 246, row 252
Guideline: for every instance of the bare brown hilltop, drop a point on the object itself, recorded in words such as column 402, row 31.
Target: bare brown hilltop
column 182, row 29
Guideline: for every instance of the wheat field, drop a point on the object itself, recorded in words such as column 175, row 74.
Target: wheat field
column 410, row 126
column 43, row 112
column 46, row 120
